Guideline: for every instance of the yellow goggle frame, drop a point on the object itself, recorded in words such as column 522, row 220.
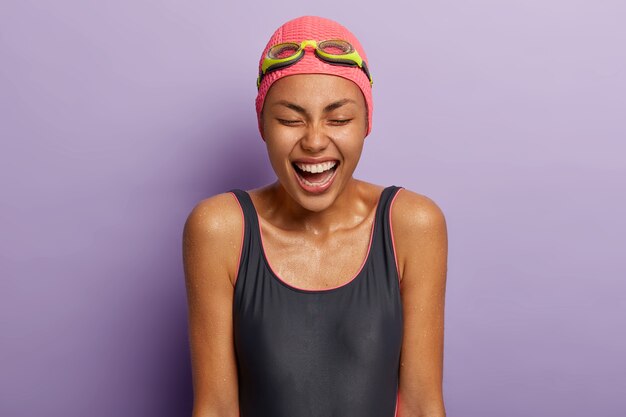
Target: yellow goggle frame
column 350, row 57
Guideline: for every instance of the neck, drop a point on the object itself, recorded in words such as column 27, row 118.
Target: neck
column 347, row 210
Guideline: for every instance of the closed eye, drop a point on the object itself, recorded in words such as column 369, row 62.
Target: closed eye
column 341, row 121
column 288, row 122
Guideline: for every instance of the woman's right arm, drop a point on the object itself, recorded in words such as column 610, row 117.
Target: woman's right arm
column 211, row 248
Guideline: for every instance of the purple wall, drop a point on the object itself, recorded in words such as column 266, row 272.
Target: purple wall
column 117, row 117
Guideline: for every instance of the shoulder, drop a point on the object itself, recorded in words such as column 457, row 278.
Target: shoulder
column 214, row 228
column 214, row 214
column 413, row 211
column 418, row 224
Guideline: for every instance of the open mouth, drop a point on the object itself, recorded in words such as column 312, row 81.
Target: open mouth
column 316, row 175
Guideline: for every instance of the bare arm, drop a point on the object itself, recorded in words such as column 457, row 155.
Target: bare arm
column 421, row 241
column 211, row 247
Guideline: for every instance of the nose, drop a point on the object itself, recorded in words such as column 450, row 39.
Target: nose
column 315, row 139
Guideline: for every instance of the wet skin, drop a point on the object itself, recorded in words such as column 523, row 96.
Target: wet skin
column 315, row 241
column 315, row 116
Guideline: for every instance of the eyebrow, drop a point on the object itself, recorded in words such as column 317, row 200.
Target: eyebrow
column 302, row 110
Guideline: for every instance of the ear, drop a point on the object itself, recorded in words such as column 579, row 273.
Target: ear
column 367, row 117
column 260, row 122
column 261, row 125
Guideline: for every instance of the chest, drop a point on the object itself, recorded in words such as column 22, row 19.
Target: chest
column 317, row 262
column 309, row 354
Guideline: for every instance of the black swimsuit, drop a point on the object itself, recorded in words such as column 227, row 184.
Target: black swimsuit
column 318, row 353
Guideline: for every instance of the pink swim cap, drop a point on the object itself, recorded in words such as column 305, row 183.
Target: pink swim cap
column 319, row 29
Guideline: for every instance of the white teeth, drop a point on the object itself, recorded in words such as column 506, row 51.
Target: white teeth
column 317, row 184
column 315, row 168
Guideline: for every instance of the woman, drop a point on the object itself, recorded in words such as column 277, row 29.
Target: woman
column 320, row 294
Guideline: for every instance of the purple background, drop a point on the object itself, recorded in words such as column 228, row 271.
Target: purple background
column 117, row 117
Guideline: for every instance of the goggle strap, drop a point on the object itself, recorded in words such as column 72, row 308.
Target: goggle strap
column 367, row 72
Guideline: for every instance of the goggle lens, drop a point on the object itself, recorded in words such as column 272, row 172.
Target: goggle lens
column 335, row 47
column 331, row 47
column 283, row 50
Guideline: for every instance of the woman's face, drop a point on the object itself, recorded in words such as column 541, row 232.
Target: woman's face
column 314, row 127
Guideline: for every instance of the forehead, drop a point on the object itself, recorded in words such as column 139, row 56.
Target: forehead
column 314, row 89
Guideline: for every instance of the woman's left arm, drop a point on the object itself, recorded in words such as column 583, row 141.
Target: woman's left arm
column 421, row 241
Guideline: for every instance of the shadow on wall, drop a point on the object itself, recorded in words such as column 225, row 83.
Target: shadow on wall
column 230, row 155
column 236, row 159
column 243, row 162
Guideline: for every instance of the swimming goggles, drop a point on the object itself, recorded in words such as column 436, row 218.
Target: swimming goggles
column 334, row 51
